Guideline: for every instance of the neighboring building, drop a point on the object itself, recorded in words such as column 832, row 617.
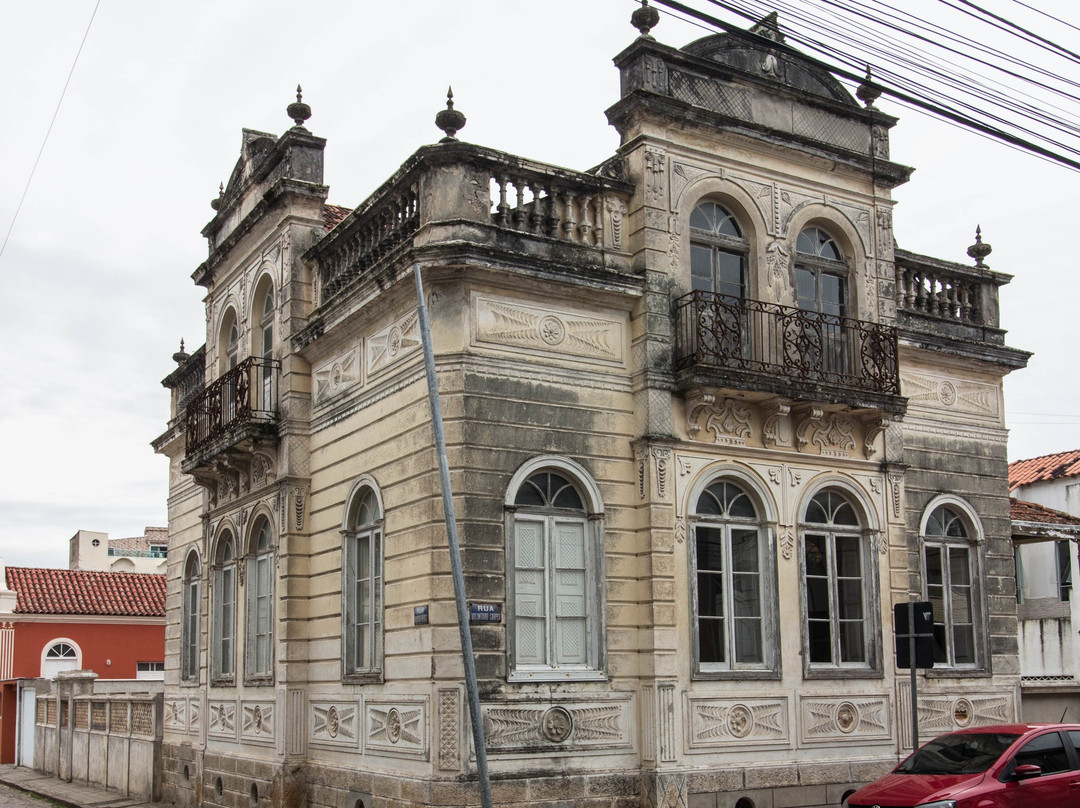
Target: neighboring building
column 1052, row 480
column 90, row 550
column 706, row 425
column 111, row 623
column 1047, row 544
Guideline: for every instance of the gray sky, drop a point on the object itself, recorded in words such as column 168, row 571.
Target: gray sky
column 97, row 289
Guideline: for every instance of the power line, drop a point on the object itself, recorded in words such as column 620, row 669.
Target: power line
column 946, row 90
column 56, row 112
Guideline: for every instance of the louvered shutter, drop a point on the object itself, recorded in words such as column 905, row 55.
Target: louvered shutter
column 530, row 613
column 570, row 599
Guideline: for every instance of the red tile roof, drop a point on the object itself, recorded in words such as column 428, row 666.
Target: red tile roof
column 1021, row 511
column 333, row 214
column 48, row 591
column 1047, row 467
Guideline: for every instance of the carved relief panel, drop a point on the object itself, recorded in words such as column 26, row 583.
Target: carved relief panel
column 508, row 324
column 568, row 726
column 334, row 723
column 257, row 721
column 337, row 375
column 396, row 729
column 736, row 723
column 843, row 719
column 222, row 719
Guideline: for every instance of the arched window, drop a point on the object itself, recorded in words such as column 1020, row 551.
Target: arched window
column 191, row 602
column 731, row 563
column 223, row 639
column 820, row 273
column 837, row 584
column 362, row 632
column 60, row 655
column 259, row 642
column 554, row 553
column 264, row 349
column 950, row 583
column 718, row 251
column 228, row 342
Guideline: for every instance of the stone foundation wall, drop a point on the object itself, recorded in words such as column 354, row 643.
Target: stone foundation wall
column 322, row 786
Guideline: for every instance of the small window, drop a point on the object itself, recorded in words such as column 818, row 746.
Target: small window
column 223, row 641
column 362, row 585
column 733, row 614
column 1063, row 556
column 150, row 670
column 260, row 605
column 554, row 557
column 950, row 580
column 718, row 251
column 60, row 655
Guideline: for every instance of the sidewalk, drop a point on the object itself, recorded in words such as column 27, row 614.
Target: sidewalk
column 75, row 795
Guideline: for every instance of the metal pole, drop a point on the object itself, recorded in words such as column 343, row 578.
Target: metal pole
column 911, row 659
column 455, row 552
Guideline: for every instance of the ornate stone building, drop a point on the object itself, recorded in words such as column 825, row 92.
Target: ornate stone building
column 706, row 425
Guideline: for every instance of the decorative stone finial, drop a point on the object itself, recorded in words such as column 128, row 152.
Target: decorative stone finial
column 978, row 250
column 868, row 92
column 645, row 18
column 450, row 120
column 181, row 356
column 298, row 110
column 216, row 203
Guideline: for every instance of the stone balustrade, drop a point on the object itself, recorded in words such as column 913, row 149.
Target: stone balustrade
column 451, row 184
column 943, row 291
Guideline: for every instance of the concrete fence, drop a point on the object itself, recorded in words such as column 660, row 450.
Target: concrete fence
column 106, row 735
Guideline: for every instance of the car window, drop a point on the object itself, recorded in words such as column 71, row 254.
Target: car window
column 962, row 753
column 1046, row 751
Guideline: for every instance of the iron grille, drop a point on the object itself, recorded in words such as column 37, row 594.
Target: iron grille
column 732, row 333
column 242, row 395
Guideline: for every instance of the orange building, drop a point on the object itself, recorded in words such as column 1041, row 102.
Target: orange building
column 52, row 620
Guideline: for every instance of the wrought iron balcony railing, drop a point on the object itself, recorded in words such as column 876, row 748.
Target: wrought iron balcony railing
column 245, row 395
column 733, row 334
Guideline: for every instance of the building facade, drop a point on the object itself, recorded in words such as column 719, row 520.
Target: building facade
column 112, row 624
column 1046, row 532
column 706, row 425
column 93, row 550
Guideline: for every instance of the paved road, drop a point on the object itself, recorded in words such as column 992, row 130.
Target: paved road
column 13, row 798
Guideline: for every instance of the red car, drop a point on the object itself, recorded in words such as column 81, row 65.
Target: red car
column 1000, row 766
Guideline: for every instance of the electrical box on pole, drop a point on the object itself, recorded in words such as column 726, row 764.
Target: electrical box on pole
column 913, row 626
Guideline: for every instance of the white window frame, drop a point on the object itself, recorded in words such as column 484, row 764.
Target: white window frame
column 592, row 523
column 368, row 537
column 190, row 619
column 259, row 604
column 762, row 524
column 153, row 671
column 836, row 667
column 223, row 623
column 972, row 543
column 72, row 663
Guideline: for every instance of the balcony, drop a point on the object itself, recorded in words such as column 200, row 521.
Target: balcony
column 749, row 345
column 238, row 409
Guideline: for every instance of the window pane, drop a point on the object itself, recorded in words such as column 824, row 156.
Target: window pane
column 817, row 598
column 849, row 556
column 816, row 559
column 849, row 599
column 701, row 275
column 744, row 551
column 933, row 567
column 748, row 643
column 710, row 548
column 833, row 294
column 852, row 642
column 819, row 640
column 959, row 567
column 729, row 273
column 806, row 286
column 964, row 645
column 711, row 643
column 710, row 594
